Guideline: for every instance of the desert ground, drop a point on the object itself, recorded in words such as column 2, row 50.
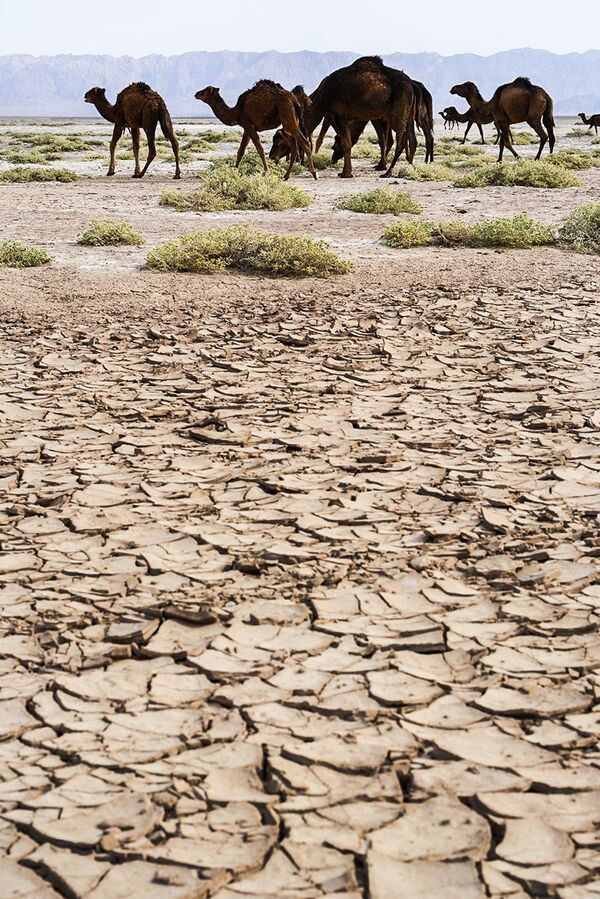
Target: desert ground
column 300, row 579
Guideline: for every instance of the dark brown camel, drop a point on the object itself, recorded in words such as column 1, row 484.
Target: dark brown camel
column 265, row 106
column 519, row 101
column 452, row 117
column 137, row 107
column 593, row 121
column 365, row 91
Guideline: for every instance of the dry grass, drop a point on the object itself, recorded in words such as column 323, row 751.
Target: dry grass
column 248, row 250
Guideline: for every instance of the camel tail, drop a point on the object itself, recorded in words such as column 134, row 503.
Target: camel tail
column 548, row 117
column 300, row 113
column 164, row 120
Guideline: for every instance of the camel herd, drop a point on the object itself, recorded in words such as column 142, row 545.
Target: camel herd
column 346, row 100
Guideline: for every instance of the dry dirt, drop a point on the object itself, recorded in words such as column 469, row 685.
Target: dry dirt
column 299, row 580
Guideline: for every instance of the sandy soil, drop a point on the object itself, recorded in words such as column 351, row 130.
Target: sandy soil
column 299, row 581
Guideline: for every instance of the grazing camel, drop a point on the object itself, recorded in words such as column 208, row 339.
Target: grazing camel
column 365, row 91
column 263, row 107
column 593, row 121
column 136, row 107
column 519, row 101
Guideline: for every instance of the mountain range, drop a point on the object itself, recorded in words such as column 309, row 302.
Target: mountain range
column 54, row 85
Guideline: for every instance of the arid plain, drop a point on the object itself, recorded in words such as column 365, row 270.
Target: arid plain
column 300, row 578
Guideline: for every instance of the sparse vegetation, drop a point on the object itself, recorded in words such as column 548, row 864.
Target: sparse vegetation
column 519, row 232
column 22, row 174
column 110, row 233
column 16, row 255
column 581, row 229
column 224, row 187
column 435, row 172
column 248, row 250
column 524, row 139
column 23, row 157
column 570, row 158
column 380, row 201
column 524, row 173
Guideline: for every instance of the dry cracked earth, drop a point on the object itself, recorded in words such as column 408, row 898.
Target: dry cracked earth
column 300, row 581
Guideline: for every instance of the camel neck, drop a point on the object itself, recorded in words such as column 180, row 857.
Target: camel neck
column 225, row 113
column 106, row 110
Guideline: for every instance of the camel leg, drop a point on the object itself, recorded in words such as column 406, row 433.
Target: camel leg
column 402, row 138
column 151, row 138
column 411, row 145
column 346, row 141
column 537, row 127
column 135, row 140
column 175, row 145
column 481, row 132
column 259, row 148
column 293, row 156
column 383, row 136
column 242, row 149
column 306, row 150
column 469, row 126
column 117, row 132
column 322, row 133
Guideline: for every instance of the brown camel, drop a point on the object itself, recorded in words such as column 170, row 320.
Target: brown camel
column 136, row 107
column 365, row 91
column 265, row 106
column 452, row 117
column 519, row 101
column 593, row 121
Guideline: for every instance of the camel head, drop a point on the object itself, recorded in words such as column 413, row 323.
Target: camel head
column 463, row 90
column 95, row 95
column 207, row 94
column 281, row 147
column 582, row 115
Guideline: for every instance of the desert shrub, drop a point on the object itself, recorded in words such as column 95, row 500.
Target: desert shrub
column 435, row 172
column 365, row 149
column 524, row 139
column 197, row 145
column 524, row 173
column 22, row 174
column 574, row 159
column 224, row 187
column 381, row 200
column 403, row 235
column 16, row 255
column 445, row 148
column 519, row 232
column 581, row 229
column 23, row 157
column 247, row 250
column 322, row 160
column 110, row 233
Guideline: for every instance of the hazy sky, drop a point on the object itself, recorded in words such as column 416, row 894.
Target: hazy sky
column 139, row 27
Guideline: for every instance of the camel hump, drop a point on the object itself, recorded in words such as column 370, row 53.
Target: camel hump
column 267, row 83
column 368, row 62
column 522, row 81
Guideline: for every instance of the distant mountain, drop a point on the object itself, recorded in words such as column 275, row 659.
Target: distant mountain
column 54, row 85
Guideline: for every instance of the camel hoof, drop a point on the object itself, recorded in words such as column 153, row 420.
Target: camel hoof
column 109, row 174
column 176, row 177
column 386, row 175
column 345, row 175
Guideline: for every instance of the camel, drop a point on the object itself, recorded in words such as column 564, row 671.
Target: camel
column 263, row 107
column 593, row 121
column 364, row 91
column 452, row 117
column 519, row 101
column 136, row 107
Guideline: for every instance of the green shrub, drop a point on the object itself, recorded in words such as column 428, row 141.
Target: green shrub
column 524, row 139
column 22, row 174
column 16, row 255
column 380, row 201
column 574, row 159
column 247, row 250
column 523, row 173
column 23, row 157
column 448, row 149
column 435, row 172
column 322, row 160
column 581, row 229
column 224, row 187
column 519, row 232
column 110, row 233
column 403, row 235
